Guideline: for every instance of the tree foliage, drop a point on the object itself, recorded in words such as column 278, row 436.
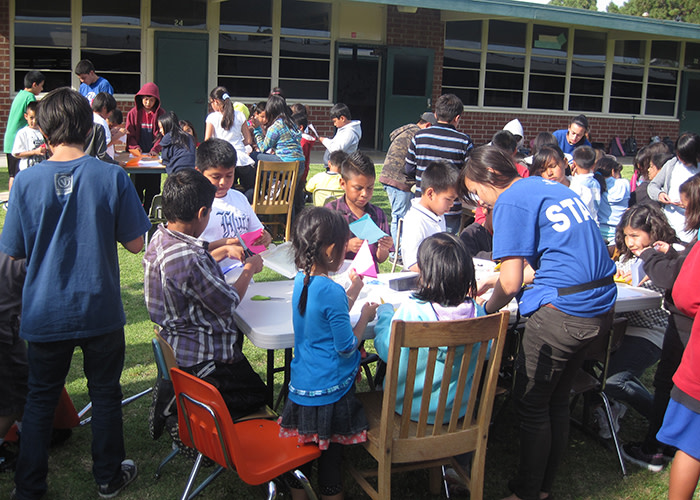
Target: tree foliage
column 576, row 4
column 673, row 10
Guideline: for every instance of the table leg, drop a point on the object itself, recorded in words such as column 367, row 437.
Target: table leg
column 270, row 377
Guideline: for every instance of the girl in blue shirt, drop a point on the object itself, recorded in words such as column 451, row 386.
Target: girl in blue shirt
column 322, row 407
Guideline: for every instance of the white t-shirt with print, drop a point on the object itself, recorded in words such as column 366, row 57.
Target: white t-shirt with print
column 232, row 135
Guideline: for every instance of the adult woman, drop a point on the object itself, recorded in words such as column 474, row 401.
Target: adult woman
column 544, row 236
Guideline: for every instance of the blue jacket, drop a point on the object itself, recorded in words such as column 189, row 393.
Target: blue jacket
column 176, row 157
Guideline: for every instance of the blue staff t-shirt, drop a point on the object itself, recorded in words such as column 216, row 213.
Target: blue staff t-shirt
column 547, row 224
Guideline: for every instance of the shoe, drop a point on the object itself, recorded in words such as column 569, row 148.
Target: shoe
column 633, row 453
column 618, row 411
column 8, row 456
column 127, row 474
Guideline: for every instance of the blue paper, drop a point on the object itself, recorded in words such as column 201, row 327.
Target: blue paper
column 365, row 229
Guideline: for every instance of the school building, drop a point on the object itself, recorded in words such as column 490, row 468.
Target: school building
column 387, row 59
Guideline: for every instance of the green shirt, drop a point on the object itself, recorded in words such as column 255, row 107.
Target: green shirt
column 16, row 119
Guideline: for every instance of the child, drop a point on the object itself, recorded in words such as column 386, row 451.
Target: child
column 549, row 163
column 646, row 168
column 90, row 83
column 327, row 180
column 348, row 132
column 322, row 406
column 33, row 85
column 142, row 138
column 357, row 180
column 69, row 213
column 228, row 124
column 425, row 217
column 102, row 105
column 282, row 134
column 231, row 214
column 187, row 295
column 446, row 289
column 584, row 183
column 188, row 128
column 29, row 145
column 178, row 147
column 615, row 197
column 115, row 121
column 300, row 115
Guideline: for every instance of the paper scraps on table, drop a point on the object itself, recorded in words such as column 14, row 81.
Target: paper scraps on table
column 363, row 263
column 249, row 238
column 280, row 259
column 365, row 229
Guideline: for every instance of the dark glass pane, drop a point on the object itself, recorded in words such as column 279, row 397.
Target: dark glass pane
column 507, row 36
column 550, row 40
column 692, row 55
column 661, row 92
column 42, row 58
column 122, row 12
column 410, row 74
column 54, row 79
column 469, row 97
column 247, row 87
column 43, row 35
column 693, row 95
column 178, row 13
column 586, row 86
column 463, row 34
column 590, row 44
column 664, row 53
column 306, row 18
column 627, row 106
column 660, row 108
column 548, row 65
column 545, row 101
column 630, row 51
column 244, row 15
column 496, row 80
column 506, row 62
column 301, row 89
column 503, row 99
column 123, row 83
column 629, row 73
column 547, row 83
column 460, row 78
column 305, row 47
column 657, row 75
column 621, row 89
column 113, row 38
column 304, row 68
column 113, row 60
column 244, row 66
column 462, row 59
column 245, row 44
column 45, row 10
column 585, row 103
column 589, row 69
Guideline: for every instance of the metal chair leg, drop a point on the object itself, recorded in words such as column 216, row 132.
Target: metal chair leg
column 192, row 477
column 305, row 484
column 167, row 459
column 271, row 490
column 613, row 432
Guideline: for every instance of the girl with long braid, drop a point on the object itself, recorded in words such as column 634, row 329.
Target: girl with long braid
column 322, row 407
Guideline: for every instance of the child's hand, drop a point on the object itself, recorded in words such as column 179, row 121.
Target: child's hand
column 369, row 310
column 663, row 198
column 385, row 243
column 661, row 246
column 235, row 251
column 354, row 245
column 264, row 239
column 486, row 284
column 254, row 263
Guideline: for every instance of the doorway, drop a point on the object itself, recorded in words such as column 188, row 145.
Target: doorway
column 689, row 105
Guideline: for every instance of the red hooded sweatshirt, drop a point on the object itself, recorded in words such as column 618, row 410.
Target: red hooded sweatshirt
column 142, row 125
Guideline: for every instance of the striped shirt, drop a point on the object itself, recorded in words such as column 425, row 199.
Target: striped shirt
column 187, row 295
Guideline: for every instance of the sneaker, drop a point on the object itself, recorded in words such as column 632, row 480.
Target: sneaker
column 618, row 411
column 127, row 474
column 633, row 453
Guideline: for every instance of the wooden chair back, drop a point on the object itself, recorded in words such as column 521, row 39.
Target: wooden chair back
column 275, row 185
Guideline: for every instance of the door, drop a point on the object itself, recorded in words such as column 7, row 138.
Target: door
column 409, row 87
column 181, row 75
column 689, row 106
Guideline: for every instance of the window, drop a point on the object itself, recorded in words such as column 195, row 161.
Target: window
column 505, row 64
column 548, row 67
column 692, row 56
column 116, row 53
column 462, row 60
column 663, row 78
column 587, row 71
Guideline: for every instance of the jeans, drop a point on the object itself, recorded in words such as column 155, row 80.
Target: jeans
column 553, row 350
column 400, row 203
column 49, row 363
column 627, row 364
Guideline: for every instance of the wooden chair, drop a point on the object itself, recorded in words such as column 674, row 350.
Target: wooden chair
column 395, row 441
column 275, row 184
column 324, row 195
column 252, row 448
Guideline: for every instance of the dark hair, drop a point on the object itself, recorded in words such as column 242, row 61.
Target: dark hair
column 339, row 110
column 258, row 107
column 116, row 116
column 84, row 67
column 299, row 108
column 184, row 193
column 691, row 189
column 448, row 107
column 104, row 100
column 276, row 108
column 440, row 176
column 214, row 153
column 607, row 165
column 64, row 116
column 487, row 165
column 357, row 163
column 337, row 158
column 544, row 156
column 33, row 77
column 277, row 91
column 543, row 139
column 31, row 106
column 505, row 140
column 645, row 156
column 659, row 160
column 645, row 217
column 581, row 121
column 314, row 231
column 184, row 123
column 227, row 113
column 584, row 157
column 171, row 125
column 447, row 274
column 301, row 120
column 688, row 148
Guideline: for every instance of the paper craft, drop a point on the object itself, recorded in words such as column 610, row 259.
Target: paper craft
column 249, row 238
column 637, row 270
column 280, row 259
column 363, row 263
column 365, row 229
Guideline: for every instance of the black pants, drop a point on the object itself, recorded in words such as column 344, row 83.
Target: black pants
column 147, row 186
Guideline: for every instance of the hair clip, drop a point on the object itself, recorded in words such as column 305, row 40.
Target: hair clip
column 225, row 96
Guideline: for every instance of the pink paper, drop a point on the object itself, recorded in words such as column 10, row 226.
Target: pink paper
column 249, row 238
column 363, row 263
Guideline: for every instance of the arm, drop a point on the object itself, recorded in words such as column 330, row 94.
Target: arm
column 132, row 130
column 226, row 247
column 508, row 285
column 253, row 265
column 367, row 315
column 271, row 138
column 661, row 268
column 383, row 246
column 657, row 185
column 208, row 131
column 410, row 162
column 135, row 245
column 248, row 139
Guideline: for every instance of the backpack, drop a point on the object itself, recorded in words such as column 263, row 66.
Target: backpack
column 616, row 147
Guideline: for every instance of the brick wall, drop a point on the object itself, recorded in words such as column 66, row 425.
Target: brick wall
column 5, row 100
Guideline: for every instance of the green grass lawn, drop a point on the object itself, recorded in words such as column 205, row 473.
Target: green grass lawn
column 588, row 471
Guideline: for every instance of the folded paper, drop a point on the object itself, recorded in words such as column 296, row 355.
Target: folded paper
column 365, row 229
column 363, row 263
column 249, row 238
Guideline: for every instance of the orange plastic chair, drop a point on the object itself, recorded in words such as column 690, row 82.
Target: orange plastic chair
column 253, row 448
